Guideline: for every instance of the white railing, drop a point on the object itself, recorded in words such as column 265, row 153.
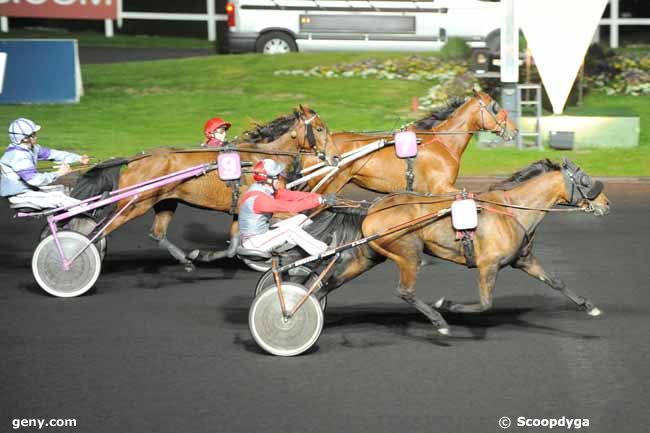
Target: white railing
column 210, row 17
column 614, row 21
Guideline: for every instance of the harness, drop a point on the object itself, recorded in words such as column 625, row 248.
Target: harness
column 410, row 174
column 526, row 245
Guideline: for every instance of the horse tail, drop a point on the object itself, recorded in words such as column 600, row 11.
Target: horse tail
column 101, row 178
column 339, row 226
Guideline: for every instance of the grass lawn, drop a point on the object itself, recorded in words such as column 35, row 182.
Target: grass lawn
column 134, row 106
column 94, row 39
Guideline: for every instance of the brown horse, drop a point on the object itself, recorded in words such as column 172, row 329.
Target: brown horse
column 437, row 163
column 306, row 133
column 511, row 212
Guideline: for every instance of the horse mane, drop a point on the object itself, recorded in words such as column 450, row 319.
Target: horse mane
column 438, row 114
column 535, row 169
column 271, row 131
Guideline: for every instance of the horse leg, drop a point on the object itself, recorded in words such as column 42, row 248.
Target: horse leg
column 210, row 256
column 164, row 213
column 408, row 269
column 135, row 210
column 531, row 265
column 487, row 278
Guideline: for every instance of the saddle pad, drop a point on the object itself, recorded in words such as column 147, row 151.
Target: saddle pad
column 229, row 165
column 464, row 215
column 406, row 145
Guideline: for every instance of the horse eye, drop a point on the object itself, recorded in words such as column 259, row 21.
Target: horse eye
column 585, row 180
column 319, row 129
column 496, row 108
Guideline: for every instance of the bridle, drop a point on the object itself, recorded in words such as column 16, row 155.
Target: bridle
column 310, row 138
column 498, row 114
column 579, row 185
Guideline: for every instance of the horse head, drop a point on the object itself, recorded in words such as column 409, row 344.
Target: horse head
column 582, row 190
column 313, row 135
column 492, row 117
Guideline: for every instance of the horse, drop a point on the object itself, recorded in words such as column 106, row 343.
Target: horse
column 435, row 169
column 436, row 166
column 511, row 211
column 306, row 133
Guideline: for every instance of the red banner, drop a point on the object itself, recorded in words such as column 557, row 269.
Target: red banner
column 78, row 9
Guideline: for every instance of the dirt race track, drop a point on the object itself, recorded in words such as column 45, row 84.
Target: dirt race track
column 155, row 349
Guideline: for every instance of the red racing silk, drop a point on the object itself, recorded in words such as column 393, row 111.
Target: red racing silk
column 283, row 201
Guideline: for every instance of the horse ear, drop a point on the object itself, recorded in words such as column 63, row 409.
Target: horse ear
column 568, row 163
column 301, row 108
column 475, row 92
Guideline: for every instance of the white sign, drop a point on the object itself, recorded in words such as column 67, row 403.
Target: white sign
column 558, row 34
column 3, row 64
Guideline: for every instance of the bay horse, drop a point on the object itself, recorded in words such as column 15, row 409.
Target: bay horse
column 436, row 166
column 511, row 212
column 306, row 133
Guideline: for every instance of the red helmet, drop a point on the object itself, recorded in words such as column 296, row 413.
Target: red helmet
column 214, row 124
column 267, row 168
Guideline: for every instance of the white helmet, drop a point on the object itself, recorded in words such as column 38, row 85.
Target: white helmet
column 267, row 168
column 22, row 128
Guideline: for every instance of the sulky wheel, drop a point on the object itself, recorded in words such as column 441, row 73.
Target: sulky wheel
column 301, row 275
column 48, row 269
column 81, row 224
column 285, row 336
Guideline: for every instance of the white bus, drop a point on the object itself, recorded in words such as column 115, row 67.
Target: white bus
column 281, row 26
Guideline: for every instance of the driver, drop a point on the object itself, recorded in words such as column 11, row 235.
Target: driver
column 215, row 132
column 264, row 198
column 21, row 181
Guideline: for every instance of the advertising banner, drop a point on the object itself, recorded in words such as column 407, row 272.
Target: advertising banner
column 39, row 71
column 76, row 9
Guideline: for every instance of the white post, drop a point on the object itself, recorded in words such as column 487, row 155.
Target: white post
column 108, row 28
column 509, row 44
column 509, row 58
column 212, row 24
column 120, row 20
column 4, row 24
column 613, row 27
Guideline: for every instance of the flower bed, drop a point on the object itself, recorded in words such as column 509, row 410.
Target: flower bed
column 619, row 74
column 450, row 78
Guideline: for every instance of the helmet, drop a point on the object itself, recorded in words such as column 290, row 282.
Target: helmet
column 267, row 168
column 214, row 124
column 21, row 128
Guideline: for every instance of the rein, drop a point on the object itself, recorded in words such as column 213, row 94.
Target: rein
column 246, row 150
column 515, row 206
column 439, row 198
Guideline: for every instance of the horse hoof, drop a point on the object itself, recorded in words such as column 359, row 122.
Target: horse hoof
column 189, row 267
column 595, row 312
column 192, row 255
column 443, row 331
column 439, row 303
